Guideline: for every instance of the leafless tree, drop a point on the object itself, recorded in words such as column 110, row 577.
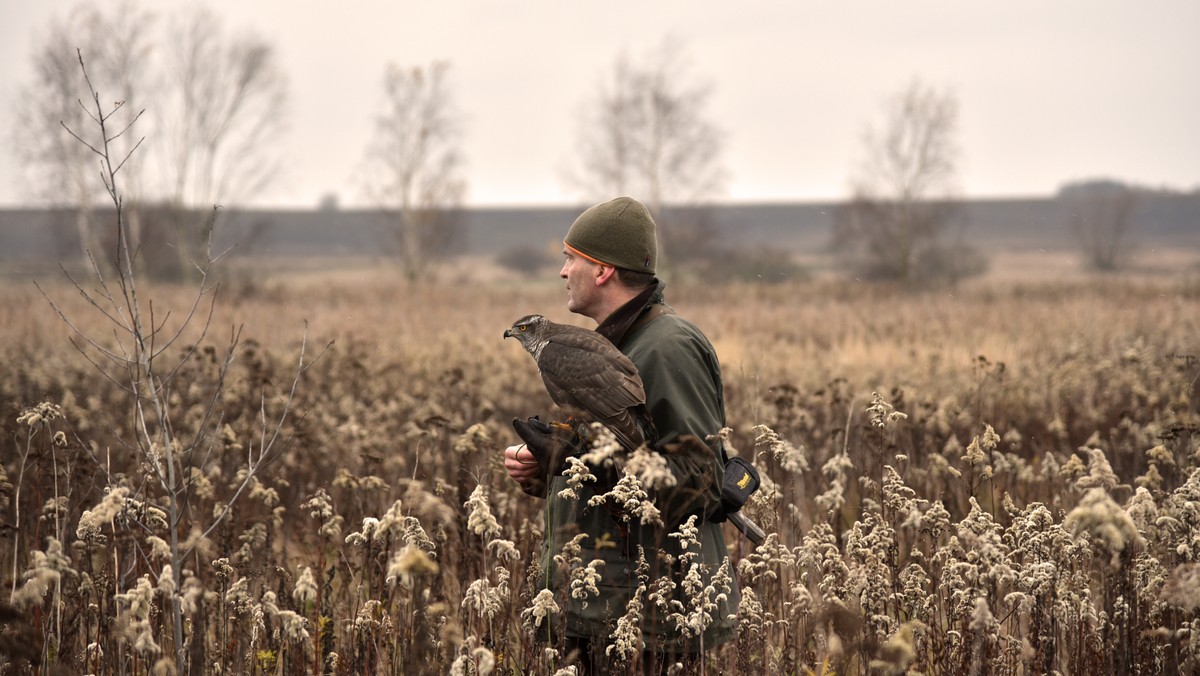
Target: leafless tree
column 220, row 109
column 225, row 111
column 58, row 171
column 903, row 192
column 1099, row 213
column 646, row 134
column 413, row 164
column 145, row 354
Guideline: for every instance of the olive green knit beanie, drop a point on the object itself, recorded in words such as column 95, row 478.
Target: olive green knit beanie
column 619, row 232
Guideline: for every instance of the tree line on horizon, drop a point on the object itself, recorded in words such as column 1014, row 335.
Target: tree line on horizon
column 219, row 103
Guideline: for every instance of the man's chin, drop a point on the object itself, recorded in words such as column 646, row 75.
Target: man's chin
column 573, row 307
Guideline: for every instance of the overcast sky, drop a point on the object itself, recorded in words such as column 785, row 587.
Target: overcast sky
column 1049, row 91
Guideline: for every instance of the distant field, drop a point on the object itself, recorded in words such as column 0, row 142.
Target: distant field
column 1033, row 512
column 1003, row 265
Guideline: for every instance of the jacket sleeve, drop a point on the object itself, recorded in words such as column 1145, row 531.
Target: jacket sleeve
column 685, row 400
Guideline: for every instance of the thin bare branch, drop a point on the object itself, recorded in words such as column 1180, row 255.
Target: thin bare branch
column 77, row 138
column 301, row 367
column 75, row 329
column 235, row 338
column 99, row 367
column 103, row 292
column 128, row 155
column 187, row 320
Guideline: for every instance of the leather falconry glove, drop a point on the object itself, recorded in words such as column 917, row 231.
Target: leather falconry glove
column 550, row 444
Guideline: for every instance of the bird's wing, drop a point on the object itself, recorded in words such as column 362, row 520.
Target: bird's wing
column 588, row 373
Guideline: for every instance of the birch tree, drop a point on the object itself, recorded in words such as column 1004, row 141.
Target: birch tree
column 225, row 112
column 646, row 133
column 216, row 107
column 904, row 189
column 1099, row 214
column 57, row 171
column 414, row 164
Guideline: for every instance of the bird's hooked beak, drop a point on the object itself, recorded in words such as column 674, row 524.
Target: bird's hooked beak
column 508, row 333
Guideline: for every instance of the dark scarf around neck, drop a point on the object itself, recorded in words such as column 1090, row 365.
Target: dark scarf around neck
column 616, row 325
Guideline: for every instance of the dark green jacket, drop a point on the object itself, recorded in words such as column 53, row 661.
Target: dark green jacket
column 684, row 397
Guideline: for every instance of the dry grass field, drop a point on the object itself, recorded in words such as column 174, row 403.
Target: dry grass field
column 1035, row 508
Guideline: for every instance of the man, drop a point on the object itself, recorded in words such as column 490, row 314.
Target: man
column 611, row 256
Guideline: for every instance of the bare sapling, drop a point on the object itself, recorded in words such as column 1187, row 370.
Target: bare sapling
column 172, row 445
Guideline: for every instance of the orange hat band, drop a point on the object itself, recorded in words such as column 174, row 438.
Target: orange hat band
column 579, row 253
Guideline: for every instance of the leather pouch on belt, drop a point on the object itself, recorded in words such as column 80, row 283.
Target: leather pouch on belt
column 741, row 480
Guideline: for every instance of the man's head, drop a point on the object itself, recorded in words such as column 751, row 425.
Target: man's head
column 619, row 233
column 611, row 252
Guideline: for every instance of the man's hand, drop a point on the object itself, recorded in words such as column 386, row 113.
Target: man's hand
column 542, row 455
column 523, row 468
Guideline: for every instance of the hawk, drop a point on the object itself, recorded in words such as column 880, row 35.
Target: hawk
column 586, row 375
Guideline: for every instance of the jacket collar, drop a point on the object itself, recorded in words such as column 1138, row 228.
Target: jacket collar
column 617, row 324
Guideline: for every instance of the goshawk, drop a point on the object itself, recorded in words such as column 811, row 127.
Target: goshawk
column 586, row 375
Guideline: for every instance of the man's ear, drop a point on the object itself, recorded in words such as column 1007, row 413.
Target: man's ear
column 606, row 272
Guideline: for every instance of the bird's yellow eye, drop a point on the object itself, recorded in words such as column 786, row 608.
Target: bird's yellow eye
column 524, row 326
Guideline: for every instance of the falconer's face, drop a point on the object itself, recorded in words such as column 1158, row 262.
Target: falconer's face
column 583, row 294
